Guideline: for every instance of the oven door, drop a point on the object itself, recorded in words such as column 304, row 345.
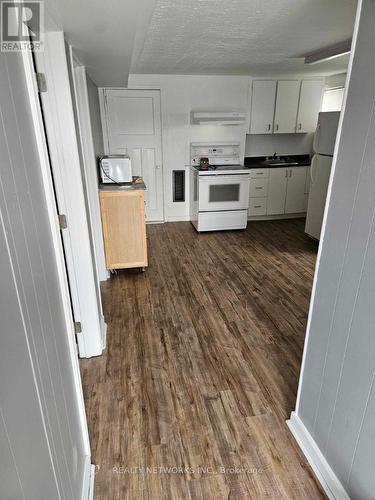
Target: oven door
column 223, row 192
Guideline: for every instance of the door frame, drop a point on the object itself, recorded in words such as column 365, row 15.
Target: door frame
column 32, row 89
column 103, row 116
column 89, row 161
column 58, row 113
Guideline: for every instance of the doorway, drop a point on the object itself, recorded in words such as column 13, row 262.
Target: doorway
column 66, row 159
column 132, row 126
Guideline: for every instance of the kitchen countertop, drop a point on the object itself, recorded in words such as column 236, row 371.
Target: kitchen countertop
column 259, row 161
column 137, row 185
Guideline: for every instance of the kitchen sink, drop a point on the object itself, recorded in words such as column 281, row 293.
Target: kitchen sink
column 279, row 163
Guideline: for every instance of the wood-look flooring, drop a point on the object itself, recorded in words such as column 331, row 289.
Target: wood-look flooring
column 201, row 369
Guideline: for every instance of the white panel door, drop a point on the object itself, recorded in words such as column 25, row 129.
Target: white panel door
column 277, row 185
column 42, row 409
column 310, row 103
column 295, row 195
column 262, row 106
column 286, row 106
column 63, row 144
column 133, row 127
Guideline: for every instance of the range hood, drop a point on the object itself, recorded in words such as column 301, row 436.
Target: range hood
column 218, row 118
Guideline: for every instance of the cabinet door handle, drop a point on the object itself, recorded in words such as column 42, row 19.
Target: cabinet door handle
column 290, row 173
column 286, row 172
column 260, row 187
column 277, row 126
column 299, row 126
column 257, row 206
column 269, row 127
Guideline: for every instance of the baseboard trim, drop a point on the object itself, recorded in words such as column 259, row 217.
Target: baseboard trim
column 277, row 217
column 177, row 218
column 103, row 327
column 92, row 482
column 327, row 478
column 88, row 479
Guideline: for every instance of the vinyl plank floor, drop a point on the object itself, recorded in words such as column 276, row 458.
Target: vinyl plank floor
column 189, row 400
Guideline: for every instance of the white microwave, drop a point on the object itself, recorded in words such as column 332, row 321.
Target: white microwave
column 115, row 169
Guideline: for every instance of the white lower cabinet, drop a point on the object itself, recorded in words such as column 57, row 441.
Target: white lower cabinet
column 258, row 192
column 277, row 186
column 295, row 201
column 258, row 188
column 278, row 191
column 257, row 207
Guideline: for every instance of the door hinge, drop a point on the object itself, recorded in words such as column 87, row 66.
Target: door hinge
column 41, row 82
column 77, row 327
column 63, row 221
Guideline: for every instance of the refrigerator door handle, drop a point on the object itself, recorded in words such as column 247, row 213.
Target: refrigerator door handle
column 313, row 162
column 316, row 138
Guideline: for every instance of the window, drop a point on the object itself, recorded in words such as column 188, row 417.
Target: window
column 332, row 99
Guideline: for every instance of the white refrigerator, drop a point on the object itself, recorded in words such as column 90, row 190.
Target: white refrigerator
column 324, row 145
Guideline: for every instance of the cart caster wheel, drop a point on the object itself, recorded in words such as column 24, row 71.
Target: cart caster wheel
column 143, row 269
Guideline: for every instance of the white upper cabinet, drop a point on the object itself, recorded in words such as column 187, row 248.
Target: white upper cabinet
column 285, row 106
column 309, row 105
column 287, row 97
column 263, row 106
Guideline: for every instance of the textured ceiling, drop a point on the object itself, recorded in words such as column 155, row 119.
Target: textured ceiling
column 225, row 37
column 250, row 37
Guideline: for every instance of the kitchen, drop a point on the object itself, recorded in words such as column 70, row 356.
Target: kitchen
column 233, row 244
column 189, row 158
column 272, row 160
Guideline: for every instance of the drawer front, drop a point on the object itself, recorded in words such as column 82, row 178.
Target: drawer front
column 257, row 207
column 258, row 188
column 218, row 221
column 259, row 173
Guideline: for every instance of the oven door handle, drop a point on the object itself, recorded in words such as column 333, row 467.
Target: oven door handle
column 223, row 175
column 224, row 178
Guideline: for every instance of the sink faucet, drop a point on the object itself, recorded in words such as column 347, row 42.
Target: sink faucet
column 274, row 156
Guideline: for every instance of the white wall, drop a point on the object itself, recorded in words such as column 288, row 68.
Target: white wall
column 96, row 124
column 336, row 402
column 282, row 144
column 179, row 96
column 94, row 144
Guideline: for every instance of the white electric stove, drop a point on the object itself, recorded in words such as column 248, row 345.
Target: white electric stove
column 219, row 196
